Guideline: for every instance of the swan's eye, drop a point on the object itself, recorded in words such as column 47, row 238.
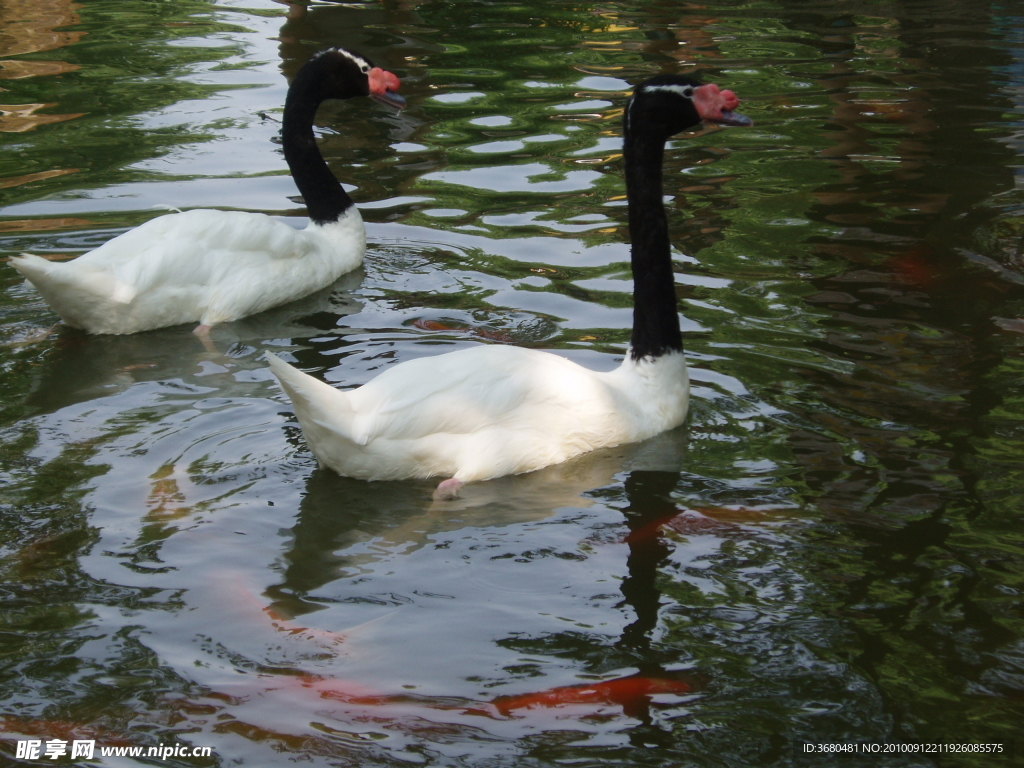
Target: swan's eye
column 686, row 91
column 360, row 62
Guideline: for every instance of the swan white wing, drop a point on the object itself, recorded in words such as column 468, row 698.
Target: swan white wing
column 476, row 389
column 197, row 247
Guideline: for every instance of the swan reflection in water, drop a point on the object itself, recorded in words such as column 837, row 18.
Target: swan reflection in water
column 81, row 367
column 337, row 515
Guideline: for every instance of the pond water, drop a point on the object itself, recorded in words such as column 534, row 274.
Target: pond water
column 830, row 550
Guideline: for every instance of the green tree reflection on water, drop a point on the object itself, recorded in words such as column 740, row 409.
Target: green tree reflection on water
column 835, row 557
column 123, row 63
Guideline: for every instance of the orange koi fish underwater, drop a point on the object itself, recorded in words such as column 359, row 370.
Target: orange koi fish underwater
column 693, row 522
column 627, row 692
column 484, row 333
column 302, row 689
column 916, row 266
column 240, row 602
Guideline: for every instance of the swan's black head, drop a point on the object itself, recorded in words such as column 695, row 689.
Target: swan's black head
column 337, row 73
column 668, row 104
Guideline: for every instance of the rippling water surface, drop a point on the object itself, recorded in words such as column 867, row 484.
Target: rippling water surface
column 829, row 550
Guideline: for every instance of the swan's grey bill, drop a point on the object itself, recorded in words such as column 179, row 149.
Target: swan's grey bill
column 734, row 118
column 390, row 99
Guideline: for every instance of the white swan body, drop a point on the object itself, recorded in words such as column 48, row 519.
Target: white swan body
column 490, row 411
column 483, row 412
column 216, row 266
column 202, row 265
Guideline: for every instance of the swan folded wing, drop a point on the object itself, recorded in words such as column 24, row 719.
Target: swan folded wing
column 474, row 390
column 231, row 230
column 201, row 264
column 205, row 252
column 460, row 407
column 263, row 280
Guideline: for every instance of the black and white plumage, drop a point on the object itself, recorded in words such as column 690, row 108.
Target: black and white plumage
column 489, row 411
column 212, row 266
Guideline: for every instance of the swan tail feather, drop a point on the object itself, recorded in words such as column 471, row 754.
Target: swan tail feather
column 59, row 280
column 32, row 267
column 318, row 406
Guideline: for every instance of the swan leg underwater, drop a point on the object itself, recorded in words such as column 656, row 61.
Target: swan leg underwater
column 215, row 266
column 488, row 411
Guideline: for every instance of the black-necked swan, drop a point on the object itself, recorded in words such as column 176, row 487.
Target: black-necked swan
column 491, row 410
column 216, row 266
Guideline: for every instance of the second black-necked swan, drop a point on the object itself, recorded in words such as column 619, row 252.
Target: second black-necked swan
column 212, row 266
column 492, row 410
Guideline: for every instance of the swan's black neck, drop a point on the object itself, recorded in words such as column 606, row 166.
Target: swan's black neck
column 655, row 314
column 325, row 198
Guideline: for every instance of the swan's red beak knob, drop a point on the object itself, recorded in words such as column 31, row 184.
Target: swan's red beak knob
column 383, row 87
column 716, row 106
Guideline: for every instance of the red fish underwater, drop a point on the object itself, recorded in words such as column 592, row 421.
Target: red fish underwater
column 627, row 692
column 693, row 522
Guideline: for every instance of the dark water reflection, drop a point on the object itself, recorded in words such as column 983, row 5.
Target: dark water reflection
column 829, row 550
